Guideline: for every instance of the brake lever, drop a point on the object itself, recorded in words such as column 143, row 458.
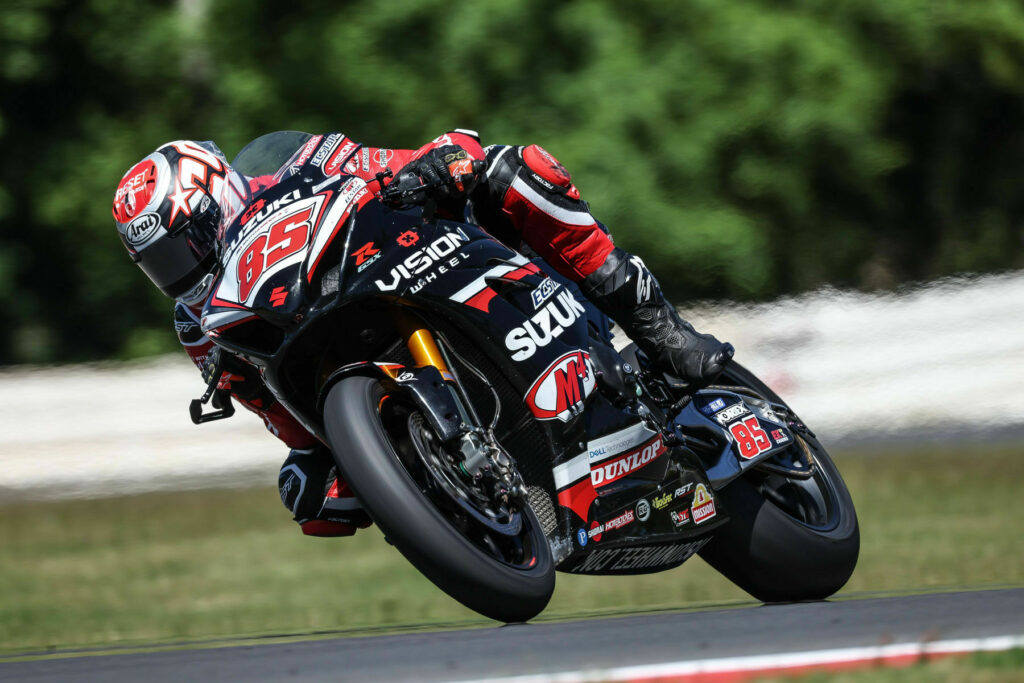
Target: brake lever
column 221, row 401
column 414, row 195
column 379, row 177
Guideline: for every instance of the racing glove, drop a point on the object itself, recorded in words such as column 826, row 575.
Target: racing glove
column 446, row 172
column 233, row 374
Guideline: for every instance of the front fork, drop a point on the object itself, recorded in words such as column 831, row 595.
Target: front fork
column 482, row 456
column 425, row 353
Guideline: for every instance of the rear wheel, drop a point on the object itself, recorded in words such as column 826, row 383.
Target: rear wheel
column 491, row 556
column 789, row 537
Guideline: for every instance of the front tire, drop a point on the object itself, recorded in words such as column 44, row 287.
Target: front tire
column 507, row 576
column 786, row 540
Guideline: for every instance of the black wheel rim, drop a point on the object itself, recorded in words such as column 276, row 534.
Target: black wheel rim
column 811, row 501
column 503, row 533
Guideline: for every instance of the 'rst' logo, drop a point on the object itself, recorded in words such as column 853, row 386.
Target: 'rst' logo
column 559, row 392
column 548, row 323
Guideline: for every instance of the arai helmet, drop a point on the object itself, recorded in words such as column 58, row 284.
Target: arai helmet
column 167, row 209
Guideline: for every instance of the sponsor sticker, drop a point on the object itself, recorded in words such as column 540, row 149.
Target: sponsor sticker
column 408, row 238
column 713, row 406
column 680, row 517
column 339, row 157
column 625, row 519
column 616, row 468
column 661, row 502
column 543, row 292
column 545, row 326
column 442, row 250
column 382, row 156
column 683, row 490
column 365, row 256
column 307, row 151
column 779, row 436
column 278, row 296
column 142, row 228
column 643, row 510
column 582, row 537
column 330, row 142
column 703, row 506
column 558, row 393
column 136, row 190
column 612, row 559
column 731, row 413
column 259, row 209
column 595, row 531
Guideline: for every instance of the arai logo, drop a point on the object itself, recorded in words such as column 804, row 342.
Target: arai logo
column 142, row 228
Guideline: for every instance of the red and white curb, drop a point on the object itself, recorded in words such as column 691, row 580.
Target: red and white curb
column 734, row 669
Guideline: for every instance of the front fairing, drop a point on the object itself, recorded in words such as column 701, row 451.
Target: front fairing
column 269, row 253
column 304, row 249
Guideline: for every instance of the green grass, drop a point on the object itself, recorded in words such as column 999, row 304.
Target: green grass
column 981, row 667
column 213, row 564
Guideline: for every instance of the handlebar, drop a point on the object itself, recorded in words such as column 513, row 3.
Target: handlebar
column 409, row 188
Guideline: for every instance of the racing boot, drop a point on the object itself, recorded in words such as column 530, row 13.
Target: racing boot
column 626, row 291
column 320, row 503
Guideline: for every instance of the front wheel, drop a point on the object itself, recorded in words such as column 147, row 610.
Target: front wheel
column 492, row 558
column 788, row 539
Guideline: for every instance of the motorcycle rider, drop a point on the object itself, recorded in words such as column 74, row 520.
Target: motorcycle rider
column 168, row 207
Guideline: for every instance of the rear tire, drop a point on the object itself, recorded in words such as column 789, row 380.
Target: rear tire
column 376, row 461
column 766, row 549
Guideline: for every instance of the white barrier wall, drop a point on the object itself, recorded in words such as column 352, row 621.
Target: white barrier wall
column 939, row 361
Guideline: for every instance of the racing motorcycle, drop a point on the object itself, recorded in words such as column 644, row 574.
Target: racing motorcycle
column 474, row 403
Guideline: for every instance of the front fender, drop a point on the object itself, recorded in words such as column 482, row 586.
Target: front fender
column 425, row 386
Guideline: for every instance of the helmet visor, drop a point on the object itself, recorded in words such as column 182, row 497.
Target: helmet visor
column 176, row 263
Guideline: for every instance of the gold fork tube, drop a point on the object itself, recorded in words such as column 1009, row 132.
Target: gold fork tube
column 421, row 344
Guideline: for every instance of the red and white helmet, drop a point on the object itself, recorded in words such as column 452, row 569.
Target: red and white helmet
column 168, row 208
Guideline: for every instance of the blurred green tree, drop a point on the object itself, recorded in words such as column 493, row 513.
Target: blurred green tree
column 744, row 149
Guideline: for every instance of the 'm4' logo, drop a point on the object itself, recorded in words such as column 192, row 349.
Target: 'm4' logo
column 560, row 390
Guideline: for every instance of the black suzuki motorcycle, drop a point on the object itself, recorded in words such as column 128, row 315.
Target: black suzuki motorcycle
column 488, row 427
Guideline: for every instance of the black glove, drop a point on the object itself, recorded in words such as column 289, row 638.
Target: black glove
column 447, row 172
column 212, row 367
column 231, row 373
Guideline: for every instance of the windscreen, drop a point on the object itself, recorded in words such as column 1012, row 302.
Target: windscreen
column 268, row 153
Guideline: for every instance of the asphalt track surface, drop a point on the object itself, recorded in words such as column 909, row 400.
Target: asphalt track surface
column 566, row 646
